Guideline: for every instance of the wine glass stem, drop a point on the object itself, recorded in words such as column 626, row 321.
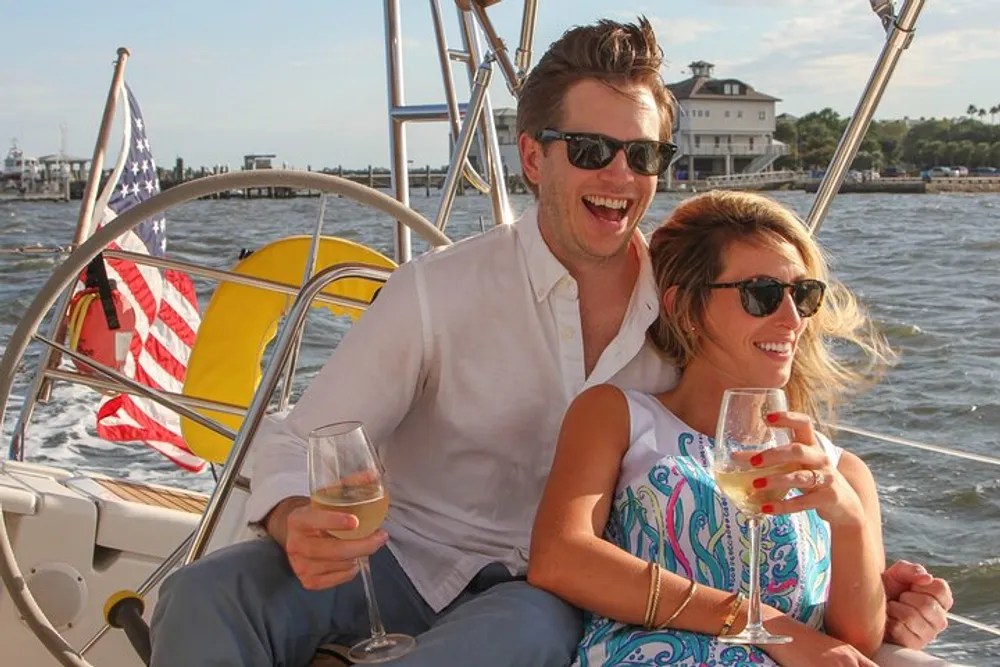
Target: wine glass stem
column 374, row 618
column 753, row 610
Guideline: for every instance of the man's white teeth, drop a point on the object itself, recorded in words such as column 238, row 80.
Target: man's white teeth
column 781, row 348
column 606, row 202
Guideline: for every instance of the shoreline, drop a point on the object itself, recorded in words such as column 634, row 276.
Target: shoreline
column 969, row 184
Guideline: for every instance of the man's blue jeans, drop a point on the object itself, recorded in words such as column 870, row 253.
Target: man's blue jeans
column 243, row 606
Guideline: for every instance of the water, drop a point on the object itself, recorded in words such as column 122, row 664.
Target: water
column 923, row 265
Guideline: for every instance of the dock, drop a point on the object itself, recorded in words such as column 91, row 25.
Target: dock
column 426, row 179
column 33, row 197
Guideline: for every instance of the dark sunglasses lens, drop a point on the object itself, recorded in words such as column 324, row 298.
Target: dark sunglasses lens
column 762, row 297
column 808, row 295
column 644, row 157
column 589, row 152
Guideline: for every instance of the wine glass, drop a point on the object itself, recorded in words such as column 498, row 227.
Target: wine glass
column 345, row 475
column 743, row 430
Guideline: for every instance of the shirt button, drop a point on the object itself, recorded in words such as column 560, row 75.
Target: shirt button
column 567, row 333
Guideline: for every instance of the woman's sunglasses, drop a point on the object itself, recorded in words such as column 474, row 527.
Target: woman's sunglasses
column 763, row 296
column 596, row 151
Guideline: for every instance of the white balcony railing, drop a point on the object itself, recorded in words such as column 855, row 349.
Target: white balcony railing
column 757, row 178
column 737, row 150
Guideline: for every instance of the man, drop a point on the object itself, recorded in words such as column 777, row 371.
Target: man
column 461, row 371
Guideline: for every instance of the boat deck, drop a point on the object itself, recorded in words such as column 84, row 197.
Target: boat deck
column 193, row 503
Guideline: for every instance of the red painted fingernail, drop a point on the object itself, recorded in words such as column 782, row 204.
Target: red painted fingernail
column 767, row 509
column 756, row 459
column 759, row 483
column 773, row 417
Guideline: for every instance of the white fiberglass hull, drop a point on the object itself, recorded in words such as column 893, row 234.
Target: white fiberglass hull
column 78, row 539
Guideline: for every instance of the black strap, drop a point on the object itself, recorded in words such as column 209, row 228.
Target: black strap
column 97, row 276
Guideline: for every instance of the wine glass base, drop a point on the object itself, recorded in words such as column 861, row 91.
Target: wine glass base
column 383, row 649
column 754, row 636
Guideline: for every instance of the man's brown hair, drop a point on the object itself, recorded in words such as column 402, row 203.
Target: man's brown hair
column 611, row 52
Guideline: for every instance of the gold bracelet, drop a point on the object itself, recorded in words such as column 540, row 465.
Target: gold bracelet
column 654, row 580
column 656, row 598
column 687, row 599
column 731, row 618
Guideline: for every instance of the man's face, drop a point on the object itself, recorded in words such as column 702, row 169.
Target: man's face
column 586, row 215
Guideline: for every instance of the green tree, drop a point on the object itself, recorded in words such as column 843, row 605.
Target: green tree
column 980, row 155
column 961, row 152
column 786, row 131
column 995, row 154
column 818, row 134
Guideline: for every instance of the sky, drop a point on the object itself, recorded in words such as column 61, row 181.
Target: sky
column 305, row 79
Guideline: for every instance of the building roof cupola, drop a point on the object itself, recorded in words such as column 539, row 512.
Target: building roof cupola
column 701, row 68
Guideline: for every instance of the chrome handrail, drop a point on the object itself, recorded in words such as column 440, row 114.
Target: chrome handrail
column 139, row 388
column 494, row 182
column 528, row 20
column 445, row 56
column 898, row 38
column 310, row 268
column 227, row 276
column 489, row 146
column 99, row 384
column 463, row 143
column 499, row 49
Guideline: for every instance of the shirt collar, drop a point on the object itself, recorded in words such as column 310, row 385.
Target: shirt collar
column 544, row 270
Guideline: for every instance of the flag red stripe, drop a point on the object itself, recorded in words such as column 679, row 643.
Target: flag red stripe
column 148, row 430
column 140, row 290
column 166, row 360
column 176, row 324
column 145, row 378
column 182, row 283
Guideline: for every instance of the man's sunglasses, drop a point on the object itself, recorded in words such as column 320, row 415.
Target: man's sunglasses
column 763, row 296
column 596, row 151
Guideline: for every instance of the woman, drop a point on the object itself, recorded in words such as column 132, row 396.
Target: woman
column 746, row 302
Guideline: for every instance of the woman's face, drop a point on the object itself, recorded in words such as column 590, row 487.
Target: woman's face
column 753, row 351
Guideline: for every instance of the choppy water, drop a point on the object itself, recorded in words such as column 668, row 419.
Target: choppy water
column 923, row 264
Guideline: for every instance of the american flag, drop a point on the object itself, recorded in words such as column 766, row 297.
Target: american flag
column 165, row 304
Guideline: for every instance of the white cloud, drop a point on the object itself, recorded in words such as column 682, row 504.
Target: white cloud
column 823, row 55
column 936, row 60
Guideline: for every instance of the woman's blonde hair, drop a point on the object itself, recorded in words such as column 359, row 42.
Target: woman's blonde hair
column 687, row 251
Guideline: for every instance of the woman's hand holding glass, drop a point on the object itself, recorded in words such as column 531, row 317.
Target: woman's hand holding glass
column 802, row 465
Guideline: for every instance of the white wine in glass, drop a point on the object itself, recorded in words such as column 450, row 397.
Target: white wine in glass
column 345, row 475
column 743, row 428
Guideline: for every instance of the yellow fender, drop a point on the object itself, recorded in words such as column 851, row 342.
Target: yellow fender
column 239, row 322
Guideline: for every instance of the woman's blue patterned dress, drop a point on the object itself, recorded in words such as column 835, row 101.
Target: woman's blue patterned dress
column 668, row 507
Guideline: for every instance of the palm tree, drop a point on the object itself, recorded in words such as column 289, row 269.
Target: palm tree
column 972, row 110
column 982, row 114
column 994, row 110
